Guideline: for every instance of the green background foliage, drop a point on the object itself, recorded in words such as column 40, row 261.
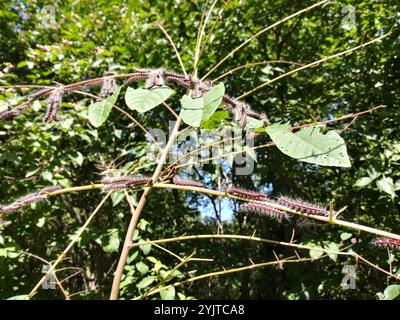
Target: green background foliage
column 84, row 39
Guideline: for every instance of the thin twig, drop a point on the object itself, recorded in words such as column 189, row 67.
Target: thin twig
column 261, row 32
column 213, row 28
column 68, row 248
column 200, row 36
column 170, row 109
column 252, row 64
column 312, row 64
column 229, row 271
column 159, row 25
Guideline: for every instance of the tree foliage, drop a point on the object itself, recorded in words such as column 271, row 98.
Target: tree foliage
column 45, row 43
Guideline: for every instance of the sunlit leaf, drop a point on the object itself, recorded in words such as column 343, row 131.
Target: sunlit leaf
column 143, row 100
column 194, row 111
column 310, row 145
column 99, row 111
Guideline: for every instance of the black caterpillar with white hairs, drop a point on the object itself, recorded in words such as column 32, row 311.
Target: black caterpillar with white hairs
column 183, row 182
column 8, row 114
column 246, row 194
column 109, row 86
column 40, row 93
column 117, row 183
column 302, row 206
column 387, row 243
column 201, row 87
column 54, row 105
column 155, row 78
column 264, row 209
column 28, row 199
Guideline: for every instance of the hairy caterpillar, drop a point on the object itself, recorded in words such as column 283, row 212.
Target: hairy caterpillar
column 386, row 243
column 302, row 206
column 155, row 78
column 123, row 182
column 40, row 93
column 109, row 86
column 264, row 209
column 134, row 78
column 200, row 87
column 185, row 81
column 30, row 198
column 54, row 104
column 8, row 114
column 181, row 182
column 246, row 194
column 93, row 83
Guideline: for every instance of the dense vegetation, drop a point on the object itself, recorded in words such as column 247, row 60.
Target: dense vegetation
column 45, row 43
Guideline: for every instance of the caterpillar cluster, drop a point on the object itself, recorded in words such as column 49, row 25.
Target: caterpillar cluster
column 265, row 209
column 28, row 199
column 109, row 86
column 246, row 194
column 54, row 105
column 8, row 114
column 153, row 77
column 181, row 182
column 302, row 206
column 118, row 183
column 387, row 243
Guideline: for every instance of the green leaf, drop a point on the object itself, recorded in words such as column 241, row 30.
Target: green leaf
column 78, row 159
column 391, row 292
column 310, row 145
column 31, row 173
column 252, row 123
column 146, row 282
column 117, row 197
column 40, row 222
column 386, row 185
column 19, row 297
column 143, row 100
column 215, row 120
column 315, row 253
column 194, row 111
column 152, row 259
column 168, row 293
column 99, row 111
column 334, row 247
column 47, row 175
column 142, row 267
column 345, row 235
column 362, row 182
column 145, row 248
column 397, row 185
column 113, row 241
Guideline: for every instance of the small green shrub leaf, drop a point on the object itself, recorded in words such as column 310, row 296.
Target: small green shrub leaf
column 142, row 267
column 310, row 145
column 391, row 292
column 386, row 185
column 143, row 100
column 146, row 282
column 194, row 111
column 168, row 293
column 99, row 111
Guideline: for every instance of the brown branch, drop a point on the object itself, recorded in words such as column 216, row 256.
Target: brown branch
column 136, row 214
